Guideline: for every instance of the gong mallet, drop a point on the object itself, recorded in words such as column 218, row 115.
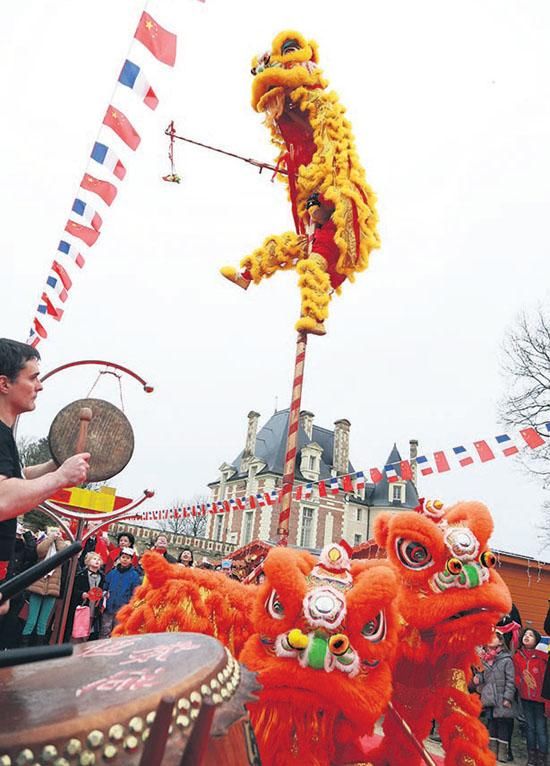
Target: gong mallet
column 21, row 582
column 85, row 417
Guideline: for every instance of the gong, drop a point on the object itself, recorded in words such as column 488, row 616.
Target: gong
column 109, row 440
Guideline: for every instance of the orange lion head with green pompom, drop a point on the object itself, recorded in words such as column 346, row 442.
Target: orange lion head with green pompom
column 320, row 632
column 450, row 594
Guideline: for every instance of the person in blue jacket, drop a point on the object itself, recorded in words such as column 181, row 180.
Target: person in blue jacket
column 120, row 583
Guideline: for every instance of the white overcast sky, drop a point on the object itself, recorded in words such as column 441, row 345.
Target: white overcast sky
column 450, row 106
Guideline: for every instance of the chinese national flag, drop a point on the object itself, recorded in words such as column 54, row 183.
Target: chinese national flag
column 161, row 43
column 87, row 235
column 406, row 471
column 347, row 485
column 441, row 462
column 39, row 328
column 122, row 126
column 375, row 475
column 531, row 437
column 103, row 189
column 484, row 451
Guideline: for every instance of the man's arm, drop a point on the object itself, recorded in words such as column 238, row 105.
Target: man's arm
column 34, row 471
column 22, row 495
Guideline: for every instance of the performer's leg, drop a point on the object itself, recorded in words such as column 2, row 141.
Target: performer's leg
column 277, row 253
column 316, row 291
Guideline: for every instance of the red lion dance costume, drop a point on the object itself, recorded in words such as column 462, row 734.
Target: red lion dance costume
column 332, row 205
column 320, row 634
column 450, row 599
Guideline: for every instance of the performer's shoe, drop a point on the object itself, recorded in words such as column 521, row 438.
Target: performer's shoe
column 311, row 326
column 237, row 277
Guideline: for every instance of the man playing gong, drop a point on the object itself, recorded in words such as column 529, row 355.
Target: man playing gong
column 22, row 490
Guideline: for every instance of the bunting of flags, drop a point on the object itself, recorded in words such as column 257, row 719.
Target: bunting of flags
column 99, row 185
column 484, row 450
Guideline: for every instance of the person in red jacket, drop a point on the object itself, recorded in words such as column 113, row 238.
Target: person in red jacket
column 530, row 666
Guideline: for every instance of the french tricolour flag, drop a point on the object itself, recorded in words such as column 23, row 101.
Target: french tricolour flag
column 132, row 76
column 463, row 456
column 308, row 491
column 391, row 473
column 506, row 445
column 56, row 284
column 334, row 486
column 359, row 481
column 88, row 213
column 105, row 156
column 72, row 251
column 424, row 464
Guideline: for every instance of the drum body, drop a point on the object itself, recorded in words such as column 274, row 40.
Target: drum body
column 99, row 706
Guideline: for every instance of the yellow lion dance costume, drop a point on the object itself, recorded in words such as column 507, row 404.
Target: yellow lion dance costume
column 332, row 205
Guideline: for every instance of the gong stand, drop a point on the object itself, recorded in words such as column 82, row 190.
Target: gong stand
column 88, row 524
column 98, row 427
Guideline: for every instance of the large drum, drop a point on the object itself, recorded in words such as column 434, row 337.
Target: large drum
column 100, row 705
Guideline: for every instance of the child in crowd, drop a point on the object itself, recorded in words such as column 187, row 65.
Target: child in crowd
column 496, row 686
column 186, row 557
column 120, row 583
column 87, row 584
column 124, row 540
column 530, row 666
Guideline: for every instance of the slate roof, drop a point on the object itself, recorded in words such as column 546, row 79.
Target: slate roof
column 270, row 449
column 271, row 445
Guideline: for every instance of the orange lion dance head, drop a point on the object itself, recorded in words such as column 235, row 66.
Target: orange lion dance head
column 451, row 593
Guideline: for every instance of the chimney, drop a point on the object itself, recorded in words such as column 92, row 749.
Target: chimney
column 306, row 421
column 340, row 457
column 250, row 446
column 413, row 454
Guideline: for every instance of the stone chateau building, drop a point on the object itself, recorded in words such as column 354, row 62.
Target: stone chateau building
column 322, row 453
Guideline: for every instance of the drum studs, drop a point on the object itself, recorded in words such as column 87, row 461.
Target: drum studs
column 95, row 739
column 25, row 757
column 61, row 762
column 131, row 743
column 214, row 685
column 145, row 735
column 73, row 747
column 205, row 690
column 195, row 698
column 136, row 725
column 217, row 699
column 49, row 753
column 221, row 677
column 194, row 713
column 110, row 752
column 184, row 704
column 183, row 721
column 150, row 718
column 224, row 693
column 5, row 760
column 116, row 732
column 87, row 758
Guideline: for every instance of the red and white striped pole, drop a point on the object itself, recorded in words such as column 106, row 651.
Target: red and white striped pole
column 292, row 439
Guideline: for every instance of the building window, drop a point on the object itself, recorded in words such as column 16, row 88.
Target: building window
column 312, row 463
column 359, row 514
column 357, row 539
column 307, row 528
column 397, row 493
column 248, row 524
column 218, row 527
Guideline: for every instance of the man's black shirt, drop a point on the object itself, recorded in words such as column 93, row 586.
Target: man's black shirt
column 10, row 467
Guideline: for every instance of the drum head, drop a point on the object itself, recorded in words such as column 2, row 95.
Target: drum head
column 110, row 440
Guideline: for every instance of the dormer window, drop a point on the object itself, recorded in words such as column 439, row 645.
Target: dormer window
column 397, row 493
